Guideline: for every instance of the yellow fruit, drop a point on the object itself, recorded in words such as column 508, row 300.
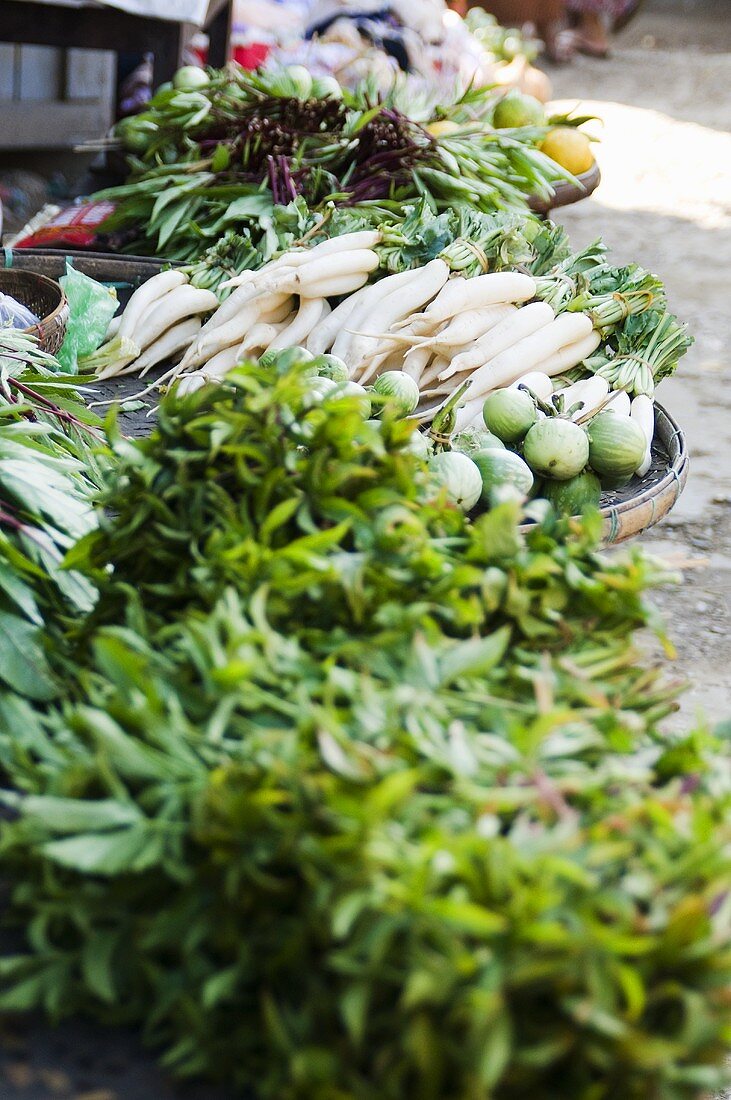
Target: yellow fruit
column 569, row 148
column 444, row 126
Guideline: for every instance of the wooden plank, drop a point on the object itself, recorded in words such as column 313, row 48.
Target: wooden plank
column 103, row 267
column 41, row 68
column 219, row 35
column 51, row 125
column 7, row 70
column 90, row 75
column 90, row 28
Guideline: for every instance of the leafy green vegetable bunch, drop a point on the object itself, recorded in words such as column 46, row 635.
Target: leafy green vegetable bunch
column 48, row 475
column 221, row 155
column 353, row 798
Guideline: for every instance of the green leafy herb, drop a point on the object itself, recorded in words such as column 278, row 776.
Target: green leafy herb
column 351, row 797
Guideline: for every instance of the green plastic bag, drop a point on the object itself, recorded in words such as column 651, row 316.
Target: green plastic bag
column 92, row 307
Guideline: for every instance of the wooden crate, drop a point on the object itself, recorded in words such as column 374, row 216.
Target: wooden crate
column 53, row 98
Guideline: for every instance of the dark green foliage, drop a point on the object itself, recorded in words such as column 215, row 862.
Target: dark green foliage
column 353, row 799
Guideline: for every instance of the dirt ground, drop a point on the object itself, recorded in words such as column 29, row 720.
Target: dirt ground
column 665, row 200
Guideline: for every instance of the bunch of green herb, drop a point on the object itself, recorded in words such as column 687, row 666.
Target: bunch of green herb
column 644, row 350
column 221, row 157
column 352, row 798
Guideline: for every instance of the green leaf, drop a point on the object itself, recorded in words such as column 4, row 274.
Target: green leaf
column 247, row 208
column 475, row 657
column 24, row 995
column 221, row 986
column 97, row 965
column 221, row 158
column 467, row 916
column 20, row 593
column 23, row 664
column 128, row 851
column 70, row 815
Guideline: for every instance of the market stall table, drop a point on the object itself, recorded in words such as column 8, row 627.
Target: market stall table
column 160, row 27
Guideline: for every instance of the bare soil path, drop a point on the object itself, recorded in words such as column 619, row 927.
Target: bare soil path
column 665, row 200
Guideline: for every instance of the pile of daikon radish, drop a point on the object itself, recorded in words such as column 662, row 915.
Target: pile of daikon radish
column 440, row 328
column 276, row 306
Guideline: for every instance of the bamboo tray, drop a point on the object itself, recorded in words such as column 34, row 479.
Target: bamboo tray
column 627, row 511
column 567, row 193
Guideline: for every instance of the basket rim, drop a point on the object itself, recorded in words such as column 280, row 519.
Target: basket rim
column 52, row 284
column 673, row 480
column 566, row 193
column 676, row 473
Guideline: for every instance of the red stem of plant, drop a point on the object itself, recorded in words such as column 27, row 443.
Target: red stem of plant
column 62, row 414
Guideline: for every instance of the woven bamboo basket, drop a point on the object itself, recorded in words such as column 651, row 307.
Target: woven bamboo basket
column 642, row 503
column 45, row 298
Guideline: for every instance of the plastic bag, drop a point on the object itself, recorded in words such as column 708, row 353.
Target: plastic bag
column 15, row 314
column 91, row 308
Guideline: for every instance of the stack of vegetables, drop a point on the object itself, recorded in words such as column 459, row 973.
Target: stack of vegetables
column 545, row 349
column 224, row 153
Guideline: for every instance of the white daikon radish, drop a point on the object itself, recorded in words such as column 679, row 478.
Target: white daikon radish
column 261, row 284
column 368, row 298
column 469, row 413
column 280, row 312
column 334, row 288
column 295, row 334
column 113, row 327
column 189, row 383
column 405, row 299
column 539, row 351
column 507, row 334
column 457, row 335
column 151, row 291
column 470, row 326
column 221, row 364
column 589, row 393
column 349, row 242
column 168, row 346
column 415, row 363
column 260, row 337
column 233, row 303
column 233, row 332
column 332, row 268
column 537, row 382
column 642, row 411
column 619, row 402
column 177, row 305
column 571, row 354
column 325, row 332
column 460, row 294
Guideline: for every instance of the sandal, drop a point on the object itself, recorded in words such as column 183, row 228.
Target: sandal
column 590, row 47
